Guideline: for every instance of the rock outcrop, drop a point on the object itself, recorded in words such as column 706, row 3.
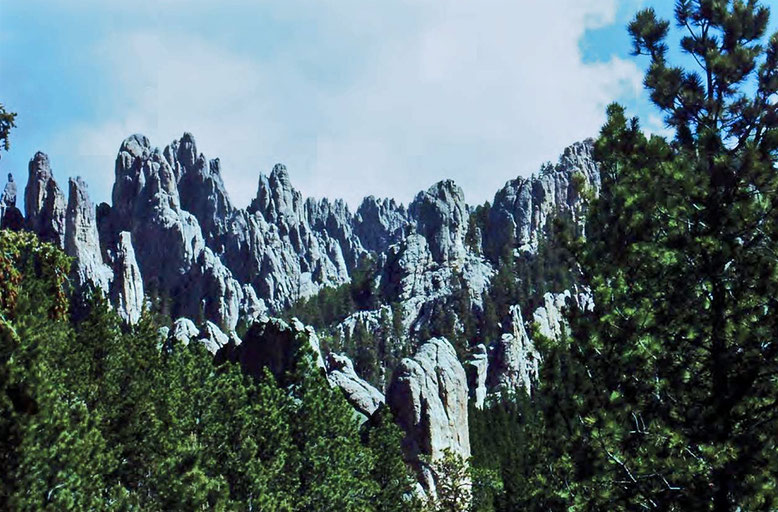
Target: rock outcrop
column 361, row 395
column 273, row 344
column 82, row 241
column 192, row 246
column 10, row 216
column 44, row 202
column 549, row 317
column 513, row 361
column 428, row 397
column 476, row 368
column 521, row 209
column 173, row 233
column 441, row 217
column 379, row 223
column 184, row 332
column 127, row 286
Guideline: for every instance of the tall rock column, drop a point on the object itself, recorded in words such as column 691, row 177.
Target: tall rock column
column 44, row 202
column 82, row 241
column 513, row 361
column 428, row 397
column 127, row 286
column 10, row 216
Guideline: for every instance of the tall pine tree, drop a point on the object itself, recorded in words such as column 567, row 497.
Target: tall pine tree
column 675, row 404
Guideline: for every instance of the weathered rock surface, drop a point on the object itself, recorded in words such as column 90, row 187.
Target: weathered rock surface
column 549, row 317
column 127, row 287
column 521, row 209
column 8, row 198
column 173, row 232
column 273, row 344
column 428, row 397
column 10, row 216
column 513, row 361
column 360, row 394
column 212, row 337
column 44, row 202
column 441, row 217
column 192, row 245
column 184, row 331
column 476, row 368
column 379, row 223
column 82, row 241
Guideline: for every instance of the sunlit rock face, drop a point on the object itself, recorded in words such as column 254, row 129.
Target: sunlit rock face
column 522, row 208
column 44, row 202
column 428, row 397
column 172, row 235
column 188, row 243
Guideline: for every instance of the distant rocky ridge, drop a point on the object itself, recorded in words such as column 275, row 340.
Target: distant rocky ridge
column 172, row 233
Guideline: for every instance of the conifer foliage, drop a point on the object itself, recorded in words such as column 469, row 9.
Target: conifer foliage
column 95, row 415
column 672, row 397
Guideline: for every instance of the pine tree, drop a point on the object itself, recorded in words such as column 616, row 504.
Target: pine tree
column 674, row 400
column 395, row 483
column 335, row 467
column 453, row 483
column 7, row 121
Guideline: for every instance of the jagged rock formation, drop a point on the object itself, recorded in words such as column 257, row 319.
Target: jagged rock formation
column 192, row 246
column 82, row 241
column 273, row 344
column 379, row 223
column 476, row 368
column 361, row 395
column 513, row 361
column 10, row 216
column 549, row 317
column 8, row 198
column 44, row 202
column 441, row 218
column 126, row 290
column 172, row 234
column 522, row 208
column 184, row 332
column 428, row 397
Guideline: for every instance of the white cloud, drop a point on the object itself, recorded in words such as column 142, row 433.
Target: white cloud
column 377, row 101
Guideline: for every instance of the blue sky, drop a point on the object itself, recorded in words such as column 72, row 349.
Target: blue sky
column 356, row 97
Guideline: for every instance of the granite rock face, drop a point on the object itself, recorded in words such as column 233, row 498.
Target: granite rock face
column 193, row 246
column 549, row 317
column 441, row 218
column 82, row 240
column 361, row 395
column 10, row 216
column 173, row 233
column 513, row 361
column 428, row 397
column 44, row 202
column 476, row 368
column 127, row 287
column 274, row 344
column 522, row 208
column 379, row 223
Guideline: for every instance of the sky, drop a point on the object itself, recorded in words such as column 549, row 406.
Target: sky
column 355, row 97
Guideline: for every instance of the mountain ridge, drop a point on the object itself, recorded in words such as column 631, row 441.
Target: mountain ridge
column 425, row 273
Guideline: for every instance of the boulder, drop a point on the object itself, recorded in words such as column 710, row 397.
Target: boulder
column 361, row 395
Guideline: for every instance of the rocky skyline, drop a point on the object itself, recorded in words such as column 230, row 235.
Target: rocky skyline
column 172, row 231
